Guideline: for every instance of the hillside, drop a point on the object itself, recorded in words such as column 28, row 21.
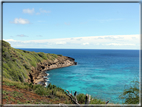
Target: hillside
column 24, row 93
column 26, row 66
column 22, row 70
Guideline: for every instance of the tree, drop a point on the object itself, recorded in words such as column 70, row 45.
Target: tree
column 131, row 93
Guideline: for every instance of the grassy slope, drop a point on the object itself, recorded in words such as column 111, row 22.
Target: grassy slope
column 22, row 93
column 17, row 63
column 13, row 90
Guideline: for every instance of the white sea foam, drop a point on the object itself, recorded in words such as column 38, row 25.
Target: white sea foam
column 46, row 84
column 45, row 77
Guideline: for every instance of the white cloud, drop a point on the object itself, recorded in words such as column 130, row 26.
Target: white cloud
column 92, row 42
column 10, row 40
column 32, row 11
column 22, row 35
column 25, row 41
column 117, row 44
column 86, row 43
column 44, row 11
column 61, row 43
column 29, row 11
column 20, row 21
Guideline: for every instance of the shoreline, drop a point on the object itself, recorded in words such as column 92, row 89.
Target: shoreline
column 38, row 74
column 41, row 79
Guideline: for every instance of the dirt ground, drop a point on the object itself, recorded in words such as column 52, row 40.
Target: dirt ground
column 13, row 95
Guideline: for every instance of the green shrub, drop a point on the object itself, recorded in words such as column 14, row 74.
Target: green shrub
column 54, row 86
column 97, row 101
column 60, row 94
column 26, row 83
column 16, row 94
column 5, row 92
column 12, row 99
column 54, row 56
column 60, row 55
column 81, row 98
column 50, row 86
column 43, row 55
column 18, row 102
column 5, row 44
column 36, row 86
column 41, row 91
column 6, row 97
column 27, row 101
column 131, row 93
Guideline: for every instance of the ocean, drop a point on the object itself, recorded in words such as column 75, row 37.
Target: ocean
column 100, row 73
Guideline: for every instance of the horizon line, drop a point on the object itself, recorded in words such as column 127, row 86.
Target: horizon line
column 78, row 49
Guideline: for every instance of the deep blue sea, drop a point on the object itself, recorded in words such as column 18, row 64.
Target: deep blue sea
column 100, row 73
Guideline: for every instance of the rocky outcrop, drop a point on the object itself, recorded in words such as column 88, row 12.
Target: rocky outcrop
column 37, row 73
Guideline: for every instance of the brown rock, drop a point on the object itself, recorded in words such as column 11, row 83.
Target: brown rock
column 37, row 73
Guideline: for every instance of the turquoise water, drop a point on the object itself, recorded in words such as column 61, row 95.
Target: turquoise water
column 100, row 73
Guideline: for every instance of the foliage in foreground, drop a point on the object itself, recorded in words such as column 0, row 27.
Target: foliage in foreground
column 131, row 93
column 51, row 90
column 81, row 99
column 37, row 88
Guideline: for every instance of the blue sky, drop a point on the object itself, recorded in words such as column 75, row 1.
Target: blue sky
column 72, row 25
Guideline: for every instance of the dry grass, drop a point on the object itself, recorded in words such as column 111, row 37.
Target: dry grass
column 14, row 83
column 60, row 94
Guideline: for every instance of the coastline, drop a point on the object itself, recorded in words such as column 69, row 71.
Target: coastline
column 57, row 63
column 40, row 79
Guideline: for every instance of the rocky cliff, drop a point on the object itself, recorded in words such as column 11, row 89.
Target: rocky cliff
column 37, row 73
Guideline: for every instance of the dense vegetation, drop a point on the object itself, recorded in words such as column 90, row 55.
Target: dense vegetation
column 17, row 63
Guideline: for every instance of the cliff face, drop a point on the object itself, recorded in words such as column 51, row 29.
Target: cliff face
column 37, row 73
